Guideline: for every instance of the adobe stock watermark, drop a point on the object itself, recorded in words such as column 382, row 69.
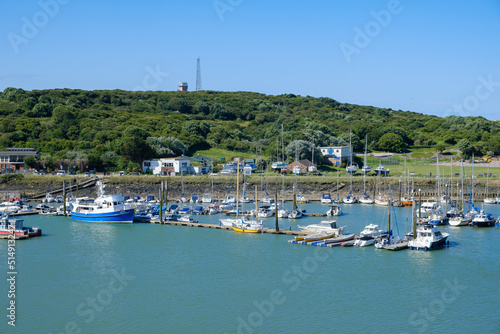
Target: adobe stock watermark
column 483, row 91
column 90, row 308
column 293, row 279
column 152, row 79
column 421, row 319
column 223, row 6
column 373, row 28
column 30, row 28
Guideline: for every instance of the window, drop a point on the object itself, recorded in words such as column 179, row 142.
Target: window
column 147, row 164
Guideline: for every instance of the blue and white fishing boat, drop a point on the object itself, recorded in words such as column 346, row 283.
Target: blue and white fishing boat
column 104, row 209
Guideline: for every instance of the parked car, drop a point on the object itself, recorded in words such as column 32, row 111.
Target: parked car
column 61, row 173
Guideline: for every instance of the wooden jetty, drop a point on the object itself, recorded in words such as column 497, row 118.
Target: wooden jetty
column 222, row 227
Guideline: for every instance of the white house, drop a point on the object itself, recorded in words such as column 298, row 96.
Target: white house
column 173, row 166
column 335, row 155
column 167, row 166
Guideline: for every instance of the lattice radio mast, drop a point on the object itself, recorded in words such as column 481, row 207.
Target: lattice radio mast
column 198, row 75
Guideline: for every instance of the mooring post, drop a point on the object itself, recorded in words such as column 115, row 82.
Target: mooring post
column 64, row 197
column 276, row 210
column 161, row 201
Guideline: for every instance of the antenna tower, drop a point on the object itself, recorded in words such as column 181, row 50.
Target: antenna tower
column 198, row 75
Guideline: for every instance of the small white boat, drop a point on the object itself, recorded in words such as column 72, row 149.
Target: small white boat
column 490, row 200
column 212, row 210
column 207, row 198
column 364, row 241
column 381, row 200
column 326, row 198
column 186, row 219
column 295, row 214
column 324, row 225
column 48, row 199
column 334, row 210
column 366, row 200
column 366, row 169
column 352, row 168
column 349, row 199
column 267, row 200
column 230, row 199
column 372, row 230
column 282, row 213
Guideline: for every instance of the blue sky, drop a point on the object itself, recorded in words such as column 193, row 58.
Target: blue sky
column 430, row 57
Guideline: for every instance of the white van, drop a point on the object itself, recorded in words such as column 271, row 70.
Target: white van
column 61, row 173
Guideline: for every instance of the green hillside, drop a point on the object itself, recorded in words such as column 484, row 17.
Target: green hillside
column 116, row 130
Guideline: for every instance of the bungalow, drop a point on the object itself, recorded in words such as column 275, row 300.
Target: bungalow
column 301, row 167
column 336, row 155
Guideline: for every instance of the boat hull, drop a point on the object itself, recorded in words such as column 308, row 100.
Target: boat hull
column 428, row 246
column 123, row 216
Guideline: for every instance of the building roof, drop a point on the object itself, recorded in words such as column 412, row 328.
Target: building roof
column 305, row 162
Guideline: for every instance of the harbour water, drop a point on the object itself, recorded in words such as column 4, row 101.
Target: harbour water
column 147, row 278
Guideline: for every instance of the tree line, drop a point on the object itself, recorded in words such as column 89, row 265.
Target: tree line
column 117, row 130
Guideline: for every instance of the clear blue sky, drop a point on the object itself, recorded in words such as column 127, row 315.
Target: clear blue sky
column 432, row 57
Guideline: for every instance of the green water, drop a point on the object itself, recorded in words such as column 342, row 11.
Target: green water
column 142, row 278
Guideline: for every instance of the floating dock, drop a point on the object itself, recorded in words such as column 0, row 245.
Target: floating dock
column 222, row 227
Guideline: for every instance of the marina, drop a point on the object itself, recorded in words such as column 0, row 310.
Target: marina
column 171, row 257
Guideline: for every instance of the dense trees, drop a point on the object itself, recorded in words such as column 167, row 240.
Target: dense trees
column 118, row 129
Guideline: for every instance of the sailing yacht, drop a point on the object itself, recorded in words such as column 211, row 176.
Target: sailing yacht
column 351, row 168
column 366, row 168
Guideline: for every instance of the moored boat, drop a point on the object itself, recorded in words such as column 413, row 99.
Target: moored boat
column 13, row 228
column 428, row 237
column 334, row 210
column 326, row 198
column 483, row 219
column 104, row 209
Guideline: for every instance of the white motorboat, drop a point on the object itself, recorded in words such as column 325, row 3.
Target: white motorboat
column 372, row 230
column 295, row 214
column 334, row 210
column 381, row 200
column 428, row 238
column 230, row 199
column 490, row 200
column 460, row 220
column 207, row 198
column 324, row 225
column 483, row 219
column 326, row 198
column 282, row 213
column 48, row 199
column 186, row 219
column 364, row 241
